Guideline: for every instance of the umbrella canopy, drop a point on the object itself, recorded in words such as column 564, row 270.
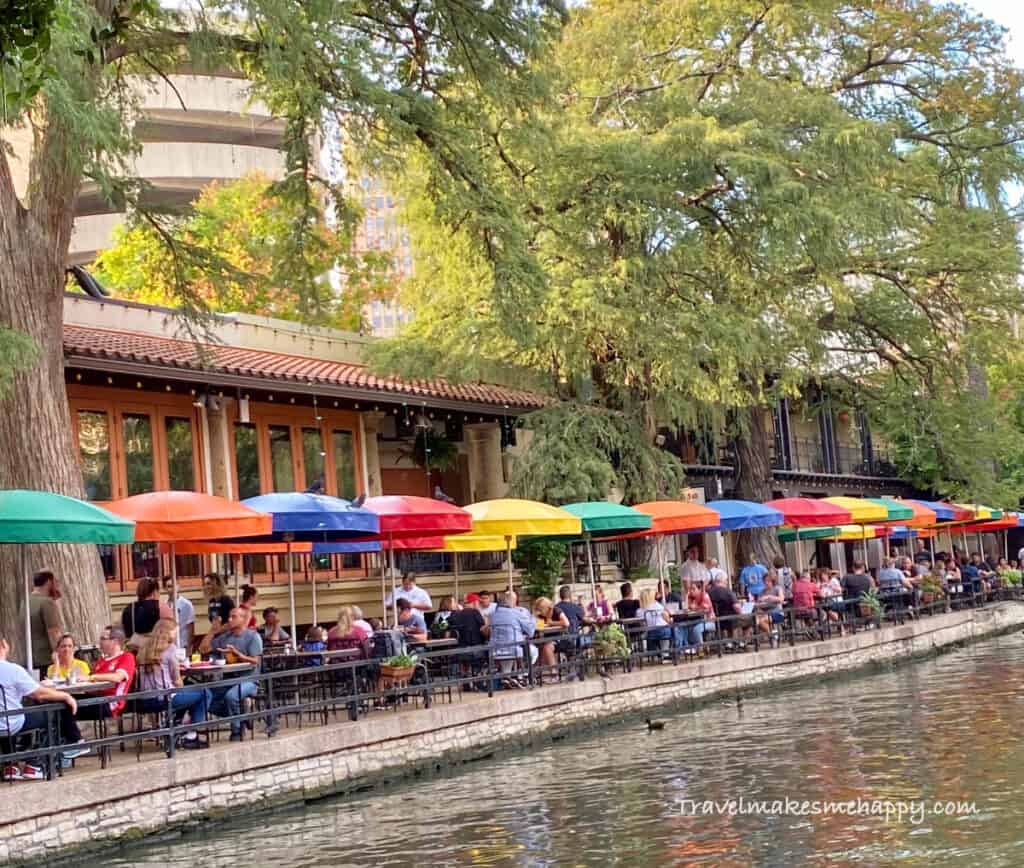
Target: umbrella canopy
column 602, row 518
column 1008, row 521
column 896, row 510
column 268, row 548
column 174, row 516
column 857, row 532
column 943, row 511
column 792, row 534
column 511, row 517
column 977, row 512
column 403, row 515
column 315, row 517
column 921, row 516
column 744, row 514
column 900, row 531
column 676, row 516
column 44, row 517
column 470, row 542
column 862, row 510
column 809, row 512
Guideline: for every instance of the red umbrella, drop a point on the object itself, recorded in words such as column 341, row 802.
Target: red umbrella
column 404, row 516
column 809, row 512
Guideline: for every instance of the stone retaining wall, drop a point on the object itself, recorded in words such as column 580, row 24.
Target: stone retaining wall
column 132, row 800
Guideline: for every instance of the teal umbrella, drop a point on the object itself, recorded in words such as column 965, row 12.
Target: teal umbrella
column 44, row 517
column 600, row 518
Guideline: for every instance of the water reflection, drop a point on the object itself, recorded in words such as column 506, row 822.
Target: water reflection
column 943, row 729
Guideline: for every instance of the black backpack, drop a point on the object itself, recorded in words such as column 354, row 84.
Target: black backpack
column 388, row 643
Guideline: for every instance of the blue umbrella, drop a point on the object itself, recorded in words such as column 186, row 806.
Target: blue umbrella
column 745, row 514
column 318, row 518
column 943, row 512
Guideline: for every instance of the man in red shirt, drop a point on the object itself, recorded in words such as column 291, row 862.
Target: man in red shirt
column 115, row 666
column 805, row 592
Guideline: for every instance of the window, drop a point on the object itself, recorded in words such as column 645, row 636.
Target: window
column 247, row 460
column 281, row 468
column 343, row 444
column 137, row 431
column 180, row 466
column 313, row 457
column 94, row 453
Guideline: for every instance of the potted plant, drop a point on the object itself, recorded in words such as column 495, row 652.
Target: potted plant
column 610, row 642
column 431, row 450
column 396, row 671
column 931, row 589
column 870, row 605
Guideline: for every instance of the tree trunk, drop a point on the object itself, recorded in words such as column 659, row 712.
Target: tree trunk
column 752, row 442
column 36, row 448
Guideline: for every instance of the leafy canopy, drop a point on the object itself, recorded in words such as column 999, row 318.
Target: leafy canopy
column 720, row 201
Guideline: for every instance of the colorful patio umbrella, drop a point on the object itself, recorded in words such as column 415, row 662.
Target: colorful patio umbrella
column 862, row 512
column 302, row 516
column 922, row 516
column 510, row 517
column 801, row 512
column 795, row 534
column 179, row 516
column 943, row 511
column 896, row 510
column 44, row 517
column 601, row 518
column 468, row 542
column 404, row 516
column 671, row 517
column 737, row 515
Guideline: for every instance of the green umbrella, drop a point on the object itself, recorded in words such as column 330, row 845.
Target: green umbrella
column 600, row 518
column 44, row 517
column 789, row 535
column 895, row 510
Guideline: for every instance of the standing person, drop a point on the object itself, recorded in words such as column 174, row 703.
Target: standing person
column 248, row 603
column 238, row 644
column 419, row 598
column 139, row 618
column 220, row 604
column 185, row 613
column 15, row 685
column 486, row 603
column 752, row 577
column 45, row 618
column 783, row 576
column 693, row 569
column 715, row 572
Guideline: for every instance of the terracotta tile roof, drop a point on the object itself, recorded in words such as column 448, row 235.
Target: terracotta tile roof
column 149, row 349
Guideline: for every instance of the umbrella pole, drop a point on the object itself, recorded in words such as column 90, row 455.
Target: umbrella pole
column 312, row 578
column 572, row 566
column 174, row 589
column 864, row 531
column 590, row 566
column 1006, row 544
column 963, row 536
column 291, row 594
column 455, row 569
column 799, row 546
column 981, row 545
column 508, row 554
column 394, row 587
column 383, row 584
column 661, row 563
column 28, row 613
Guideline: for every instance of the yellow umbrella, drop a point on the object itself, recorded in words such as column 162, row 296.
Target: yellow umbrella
column 862, row 512
column 471, row 542
column 509, row 517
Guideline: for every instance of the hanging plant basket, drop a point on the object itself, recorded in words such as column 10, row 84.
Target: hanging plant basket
column 431, row 450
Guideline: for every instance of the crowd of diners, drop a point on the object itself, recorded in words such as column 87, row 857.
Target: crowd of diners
column 149, row 649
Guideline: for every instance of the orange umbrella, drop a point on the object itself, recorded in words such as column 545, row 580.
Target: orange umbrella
column 672, row 516
column 188, row 516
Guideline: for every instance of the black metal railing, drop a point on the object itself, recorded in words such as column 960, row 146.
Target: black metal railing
column 315, row 695
column 808, row 455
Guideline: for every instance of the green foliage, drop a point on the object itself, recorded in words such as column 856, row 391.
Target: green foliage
column 433, row 450
column 610, row 641
column 235, row 250
column 17, row 351
column 542, row 561
column 580, row 453
column 24, row 43
column 1011, row 577
column 400, row 661
column 714, row 203
column 869, row 599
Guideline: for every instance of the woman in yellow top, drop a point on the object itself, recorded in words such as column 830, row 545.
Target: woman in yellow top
column 65, row 662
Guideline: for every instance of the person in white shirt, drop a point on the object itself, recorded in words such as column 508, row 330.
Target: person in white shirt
column 715, row 571
column 692, row 568
column 185, row 612
column 419, row 598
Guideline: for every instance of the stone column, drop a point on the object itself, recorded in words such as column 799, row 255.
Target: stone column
column 370, row 425
column 486, row 478
column 220, row 444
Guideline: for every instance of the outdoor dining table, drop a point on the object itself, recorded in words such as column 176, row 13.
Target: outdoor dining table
column 214, row 672
column 432, row 644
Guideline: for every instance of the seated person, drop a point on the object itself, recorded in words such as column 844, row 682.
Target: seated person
column 468, row 623
column 440, row 627
column 237, row 644
column 658, row 622
column 546, row 615
column 158, row 670
column 272, row 633
column 628, row 606
column 410, row 621
column 728, row 611
column 316, row 640
column 510, row 627
column 577, row 620
column 805, row 594
column 65, row 666
column 699, row 603
column 116, row 666
column 666, row 595
column 769, row 604
column 349, row 632
column 15, row 685
column 487, row 603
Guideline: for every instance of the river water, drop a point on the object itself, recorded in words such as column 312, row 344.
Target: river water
column 946, row 729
